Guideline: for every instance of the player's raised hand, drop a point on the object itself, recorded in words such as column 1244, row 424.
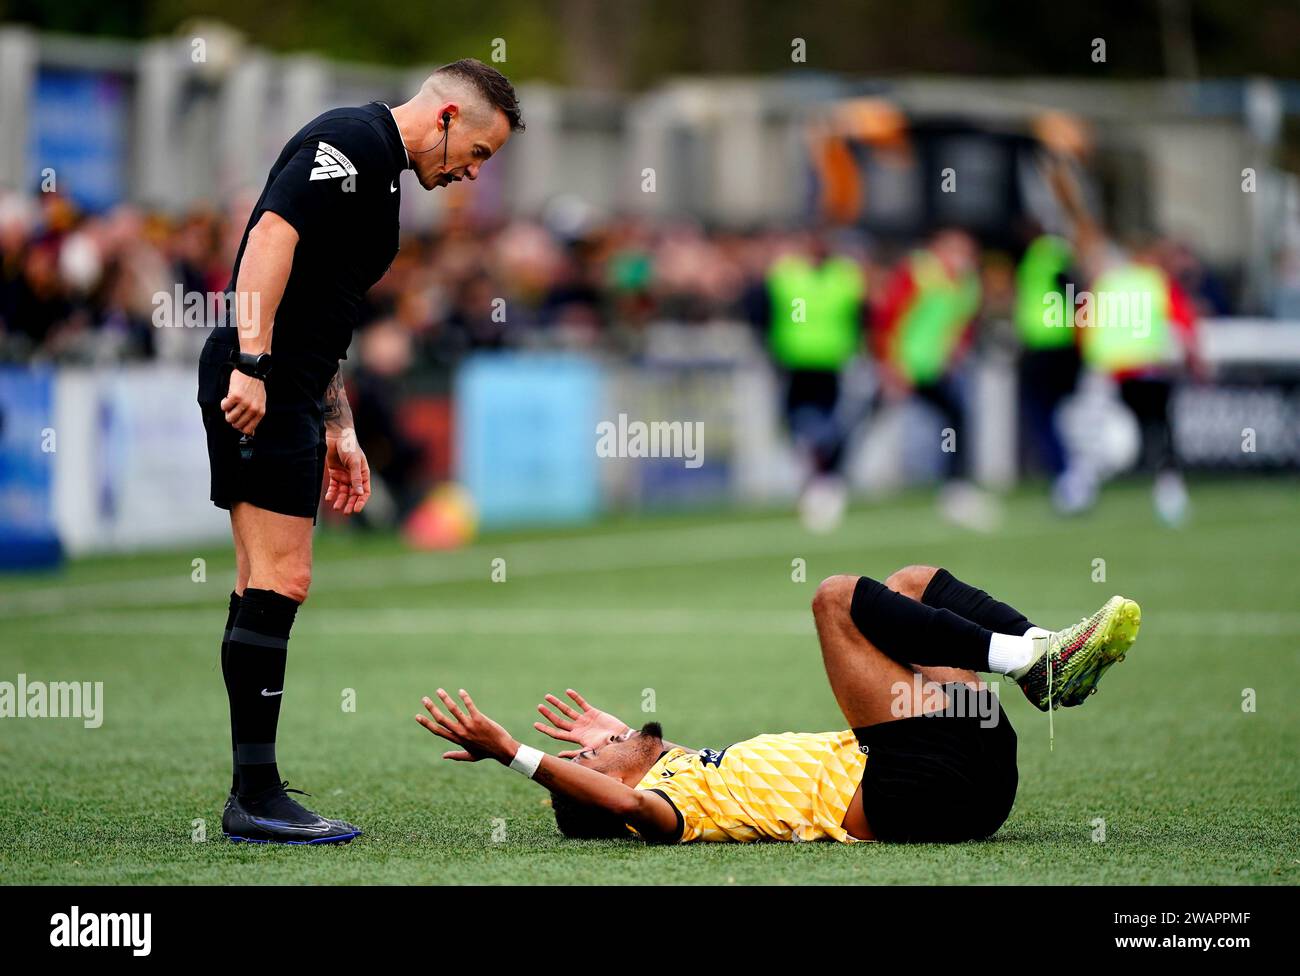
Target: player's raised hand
column 589, row 727
column 478, row 736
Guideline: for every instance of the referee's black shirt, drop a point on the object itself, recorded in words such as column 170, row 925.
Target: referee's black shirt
column 336, row 182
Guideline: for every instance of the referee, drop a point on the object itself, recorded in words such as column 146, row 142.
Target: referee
column 324, row 230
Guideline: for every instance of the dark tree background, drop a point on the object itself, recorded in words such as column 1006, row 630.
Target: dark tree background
column 632, row 43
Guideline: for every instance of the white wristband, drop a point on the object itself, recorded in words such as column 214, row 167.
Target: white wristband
column 526, row 761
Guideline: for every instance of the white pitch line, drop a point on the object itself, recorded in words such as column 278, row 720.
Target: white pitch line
column 379, row 622
column 720, row 542
column 862, row 532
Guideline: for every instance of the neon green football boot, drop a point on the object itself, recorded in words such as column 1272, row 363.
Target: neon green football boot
column 1072, row 661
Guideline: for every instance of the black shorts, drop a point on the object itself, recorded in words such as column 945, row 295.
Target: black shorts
column 285, row 468
column 941, row 778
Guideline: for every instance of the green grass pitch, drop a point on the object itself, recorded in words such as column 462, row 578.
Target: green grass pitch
column 700, row 616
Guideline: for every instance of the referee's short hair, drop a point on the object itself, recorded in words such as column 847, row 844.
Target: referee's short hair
column 491, row 84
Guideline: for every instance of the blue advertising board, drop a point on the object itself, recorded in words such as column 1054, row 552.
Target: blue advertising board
column 27, row 445
column 80, row 127
column 526, row 436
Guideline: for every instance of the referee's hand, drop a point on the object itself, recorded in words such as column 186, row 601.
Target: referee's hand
column 245, row 402
column 347, row 472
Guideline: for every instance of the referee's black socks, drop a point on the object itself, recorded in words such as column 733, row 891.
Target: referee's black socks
column 913, row 633
column 225, row 674
column 258, row 647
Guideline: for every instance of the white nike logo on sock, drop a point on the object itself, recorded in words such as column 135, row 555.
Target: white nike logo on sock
column 271, row 694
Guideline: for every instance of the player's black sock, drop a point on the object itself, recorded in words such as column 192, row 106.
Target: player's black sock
column 259, row 642
column 947, row 592
column 913, row 633
column 225, row 674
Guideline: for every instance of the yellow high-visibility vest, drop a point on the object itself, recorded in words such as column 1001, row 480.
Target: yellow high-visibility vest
column 816, row 312
column 1038, row 276
column 1127, row 325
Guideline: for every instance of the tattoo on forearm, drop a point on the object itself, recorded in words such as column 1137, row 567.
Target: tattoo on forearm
column 338, row 414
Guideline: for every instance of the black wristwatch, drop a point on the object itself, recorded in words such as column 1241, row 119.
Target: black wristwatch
column 257, row 365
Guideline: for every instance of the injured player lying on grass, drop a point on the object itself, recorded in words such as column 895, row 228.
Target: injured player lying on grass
column 928, row 754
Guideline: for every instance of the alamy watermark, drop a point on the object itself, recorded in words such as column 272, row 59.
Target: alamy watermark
column 931, row 698
column 75, row 929
column 1099, row 309
column 655, row 439
column 53, row 699
column 181, row 309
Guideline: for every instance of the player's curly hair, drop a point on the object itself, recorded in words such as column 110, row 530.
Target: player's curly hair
column 582, row 821
column 491, row 84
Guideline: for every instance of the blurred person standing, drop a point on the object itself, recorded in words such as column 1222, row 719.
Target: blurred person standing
column 1049, row 357
column 384, row 357
column 816, row 310
column 190, row 250
column 36, row 302
column 1137, row 329
column 920, row 329
column 1143, row 355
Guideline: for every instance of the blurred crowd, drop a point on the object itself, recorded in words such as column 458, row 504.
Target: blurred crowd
column 78, row 288
column 101, row 289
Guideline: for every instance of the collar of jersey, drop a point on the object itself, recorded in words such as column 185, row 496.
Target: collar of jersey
column 405, row 152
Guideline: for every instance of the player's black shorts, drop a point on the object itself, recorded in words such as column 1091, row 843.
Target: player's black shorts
column 285, row 469
column 941, row 778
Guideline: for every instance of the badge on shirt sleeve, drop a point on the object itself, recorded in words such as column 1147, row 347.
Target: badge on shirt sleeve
column 331, row 163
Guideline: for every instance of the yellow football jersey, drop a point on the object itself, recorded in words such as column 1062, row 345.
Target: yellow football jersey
column 795, row 786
